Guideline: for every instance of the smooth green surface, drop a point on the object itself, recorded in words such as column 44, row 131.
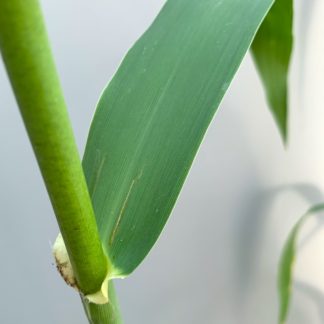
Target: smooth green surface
column 27, row 56
column 153, row 115
column 272, row 49
column 287, row 260
column 104, row 314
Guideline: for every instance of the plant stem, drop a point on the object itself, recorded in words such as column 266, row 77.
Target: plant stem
column 104, row 314
column 30, row 66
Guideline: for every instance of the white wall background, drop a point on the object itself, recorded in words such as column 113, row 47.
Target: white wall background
column 216, row 261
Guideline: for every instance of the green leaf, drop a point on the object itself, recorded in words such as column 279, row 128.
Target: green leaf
column 286, row 264
column 272, row 49
column 152, row 117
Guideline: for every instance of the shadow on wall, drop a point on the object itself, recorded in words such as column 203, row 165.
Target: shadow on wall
column 254, row 227
column 314, row 294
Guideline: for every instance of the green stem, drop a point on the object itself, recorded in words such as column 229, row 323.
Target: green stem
column 104, row 314
column 27, row 56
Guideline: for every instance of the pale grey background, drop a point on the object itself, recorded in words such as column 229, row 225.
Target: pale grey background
column 216, row 260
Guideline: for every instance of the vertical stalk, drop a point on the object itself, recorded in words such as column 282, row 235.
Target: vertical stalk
column 104, row 314
column 30, row 66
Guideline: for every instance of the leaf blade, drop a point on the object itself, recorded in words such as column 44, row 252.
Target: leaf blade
column 271, row 49
column 153, row 115
column 285, row 272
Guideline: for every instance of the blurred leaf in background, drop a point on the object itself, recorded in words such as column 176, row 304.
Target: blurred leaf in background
column 287, row 260
column 271, row 50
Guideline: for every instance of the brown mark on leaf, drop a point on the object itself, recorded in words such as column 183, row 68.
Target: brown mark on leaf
column 114, row 232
